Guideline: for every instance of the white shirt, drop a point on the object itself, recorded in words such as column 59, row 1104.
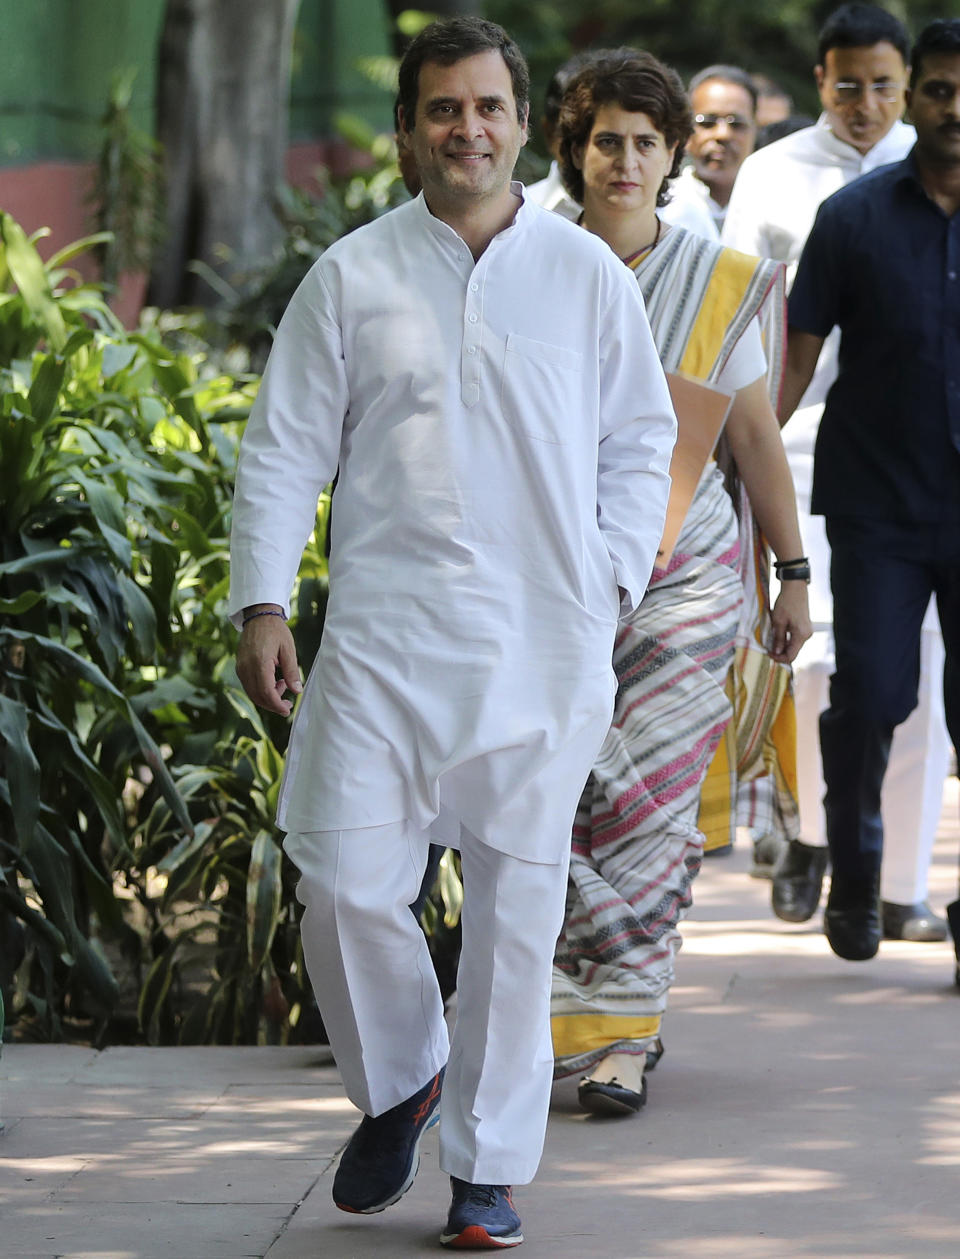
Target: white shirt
column 551, row 194
column 692, row 207
column 778, row 192
column 503, row 432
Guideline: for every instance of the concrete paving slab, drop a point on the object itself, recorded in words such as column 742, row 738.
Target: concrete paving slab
column 180, row 1180
column 806, row 1108
column 236, row 1064
column 138, row 1231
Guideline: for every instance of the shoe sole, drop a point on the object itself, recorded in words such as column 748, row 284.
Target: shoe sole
column 388, row 1202
column 853, row 955
column 761, row 871
column 476, row 1237
column 597, row 1101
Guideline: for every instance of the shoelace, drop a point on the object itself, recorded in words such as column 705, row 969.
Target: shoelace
column 481, row 1195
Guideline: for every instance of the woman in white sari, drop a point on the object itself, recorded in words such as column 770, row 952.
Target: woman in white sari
column 637, row 845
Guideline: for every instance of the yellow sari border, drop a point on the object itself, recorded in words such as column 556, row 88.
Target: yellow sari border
column 575, row 1034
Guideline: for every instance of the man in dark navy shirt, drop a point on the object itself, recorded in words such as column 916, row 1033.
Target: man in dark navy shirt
column 883, row 263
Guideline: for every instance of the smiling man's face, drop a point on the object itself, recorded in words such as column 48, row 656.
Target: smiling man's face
column 467, row 135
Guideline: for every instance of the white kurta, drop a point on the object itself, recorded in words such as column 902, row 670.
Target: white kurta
column 502, row 430
column 692, row 207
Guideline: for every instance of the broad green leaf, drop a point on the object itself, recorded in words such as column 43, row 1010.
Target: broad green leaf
column 188, row 847
column 30, row 276
column 82, row 668
column 45, row 390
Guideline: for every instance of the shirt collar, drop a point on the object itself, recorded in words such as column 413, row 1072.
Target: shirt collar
column 889, row 148
column 448, row 235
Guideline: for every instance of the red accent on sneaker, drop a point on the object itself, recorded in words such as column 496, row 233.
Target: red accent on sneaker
column 477, row 1238
column 427, row 1104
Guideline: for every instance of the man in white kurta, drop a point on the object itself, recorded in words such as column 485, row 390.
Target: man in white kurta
column 771, row 211
column 482, row 374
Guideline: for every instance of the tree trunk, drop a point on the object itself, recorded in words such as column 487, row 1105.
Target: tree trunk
column 223, row 81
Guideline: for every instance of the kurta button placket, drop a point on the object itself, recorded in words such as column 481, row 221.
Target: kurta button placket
column 472, row 339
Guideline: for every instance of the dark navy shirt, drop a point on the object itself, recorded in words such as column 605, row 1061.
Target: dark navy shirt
column 883, row 262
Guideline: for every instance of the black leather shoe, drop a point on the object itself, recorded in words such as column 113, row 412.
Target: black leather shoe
column 851, row 920
column 911, row 922
column 798, row 881
column 608, row 1097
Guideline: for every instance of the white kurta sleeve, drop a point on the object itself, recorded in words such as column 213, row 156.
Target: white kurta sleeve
column 637, row 434
column 744, row 225
column 290, row 450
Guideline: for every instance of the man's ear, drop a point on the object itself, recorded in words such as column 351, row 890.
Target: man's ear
column 576, row 155
column 818, row 77
column 525, row 124
column 402, row 121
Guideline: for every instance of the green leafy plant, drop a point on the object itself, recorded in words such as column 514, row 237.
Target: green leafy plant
column 139, row 869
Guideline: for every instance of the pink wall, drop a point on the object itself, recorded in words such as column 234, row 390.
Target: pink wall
column 53, row 195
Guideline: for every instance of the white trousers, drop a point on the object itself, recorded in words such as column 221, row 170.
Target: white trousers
column 375, row 985
column 913, row 786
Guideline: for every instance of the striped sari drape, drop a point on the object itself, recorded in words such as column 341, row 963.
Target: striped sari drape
column 638, row 842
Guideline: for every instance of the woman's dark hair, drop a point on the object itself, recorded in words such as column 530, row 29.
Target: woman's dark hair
column 450, row 41
column 635, row 81
column 942, row 36
column 862, row 26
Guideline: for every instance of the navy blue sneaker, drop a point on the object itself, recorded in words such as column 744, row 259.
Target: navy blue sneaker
column 381, row 1159
column 481, row 1218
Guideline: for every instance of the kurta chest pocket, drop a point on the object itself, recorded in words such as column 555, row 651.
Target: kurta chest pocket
column 541, row 388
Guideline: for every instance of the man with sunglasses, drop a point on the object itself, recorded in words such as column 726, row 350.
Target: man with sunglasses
column 861, row 76
column 724, row 104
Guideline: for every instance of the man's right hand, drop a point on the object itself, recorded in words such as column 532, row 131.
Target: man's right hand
column 267, row 662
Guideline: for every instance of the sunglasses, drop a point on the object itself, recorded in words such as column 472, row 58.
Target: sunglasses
column 884, row 90
column 736, row 122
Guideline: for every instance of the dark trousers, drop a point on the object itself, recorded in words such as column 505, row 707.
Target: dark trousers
column 882, row 575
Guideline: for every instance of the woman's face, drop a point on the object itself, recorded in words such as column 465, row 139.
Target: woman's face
column 624, row 161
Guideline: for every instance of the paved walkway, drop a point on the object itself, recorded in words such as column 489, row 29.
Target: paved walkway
column 806, row 1107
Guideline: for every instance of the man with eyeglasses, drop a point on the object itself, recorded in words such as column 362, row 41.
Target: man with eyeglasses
column 882, row 263
column 724, row 104
column 861, row 78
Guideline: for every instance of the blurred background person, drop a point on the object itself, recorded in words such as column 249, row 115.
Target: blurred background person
column 724, row 104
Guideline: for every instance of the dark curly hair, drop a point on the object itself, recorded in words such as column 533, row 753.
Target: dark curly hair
column 451, row 40
column 636, row 81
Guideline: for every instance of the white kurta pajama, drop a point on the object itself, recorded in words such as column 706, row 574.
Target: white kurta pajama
column 502, row 430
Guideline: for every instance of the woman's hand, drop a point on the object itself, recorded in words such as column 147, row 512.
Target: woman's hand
column 791, row 621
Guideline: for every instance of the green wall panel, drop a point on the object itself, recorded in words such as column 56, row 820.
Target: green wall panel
column 57, row 60
column 331, row 36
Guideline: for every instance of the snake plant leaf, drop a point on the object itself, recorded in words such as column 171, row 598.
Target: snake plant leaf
column 153, row 994
column 263, row 897
column 21, row 766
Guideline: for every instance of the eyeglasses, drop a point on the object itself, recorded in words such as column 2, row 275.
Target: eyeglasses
column 736, row 122
column 848, row 93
